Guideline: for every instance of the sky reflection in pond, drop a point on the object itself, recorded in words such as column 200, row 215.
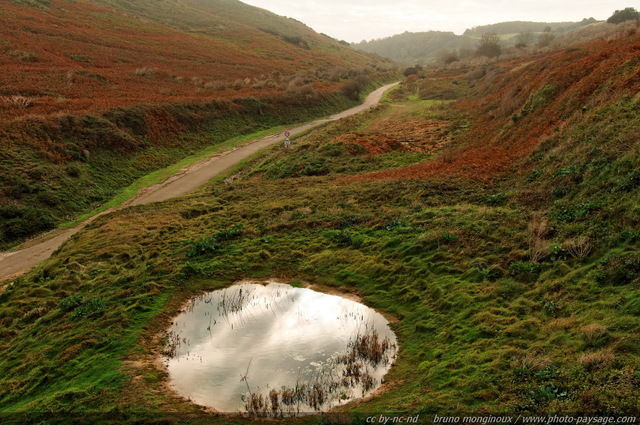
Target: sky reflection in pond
column 277, row 350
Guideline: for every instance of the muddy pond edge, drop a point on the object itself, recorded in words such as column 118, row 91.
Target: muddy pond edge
column 147, row 358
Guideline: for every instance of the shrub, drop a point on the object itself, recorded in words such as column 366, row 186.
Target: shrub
column 211, row 244
column 490, row 45
column 20, row 102
column 490, row 273
column 496, row 200
column 618, row 269
column 132, row 119
column 597, row 359
column 546, row 38
column 81, row 307
column 23, row 56
column 73, row 170
column 332, row 149
column 26, row 221
column 551, row 308
column 447, row 238
column 351, row 89
column 97, row 131
column 578, row 248
column 17, row 186
column 533, row 176
column 448, row 56
column 628, row 236
column 9, row 211
column 70, row 303
column 595, row 335
column 627, row 14
column 560, row 192
column 630, row 182
column 298, row 215
column 252, row 105
column 572, row 212
column 296, row 40
column 89, row 308
column 539, row 99
column 413, row 70
column 47, row 198
column 523, row 39
column 549, row 392
column 315, row 169
column 202, row 247
column 281, row 169
column 538, row 231
column 347, row 239
column 524, row 271
column 228, row 234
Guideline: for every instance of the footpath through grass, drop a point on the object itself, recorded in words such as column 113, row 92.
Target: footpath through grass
column 159, row 176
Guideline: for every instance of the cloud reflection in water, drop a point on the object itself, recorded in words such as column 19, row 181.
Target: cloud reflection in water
column 233, row 346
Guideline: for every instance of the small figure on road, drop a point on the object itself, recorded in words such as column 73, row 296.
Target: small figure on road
column 287, row 142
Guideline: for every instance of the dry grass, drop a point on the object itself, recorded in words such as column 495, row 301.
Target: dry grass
column 534, row 362
column 592, row 331
column 165, row 63
column 20, row 102
column 561, row 323
column 578, row 248
column 538, row 231
column 597, row 359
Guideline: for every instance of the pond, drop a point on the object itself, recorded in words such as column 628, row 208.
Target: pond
column 276, row 350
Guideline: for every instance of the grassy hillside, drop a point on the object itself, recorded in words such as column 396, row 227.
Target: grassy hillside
column 522, row 105
column 94, row 95
column 87, row 56
column 509, row 254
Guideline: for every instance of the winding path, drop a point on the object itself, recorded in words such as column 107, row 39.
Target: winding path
column 187, row 179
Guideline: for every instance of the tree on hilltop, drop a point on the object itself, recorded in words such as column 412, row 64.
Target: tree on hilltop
column 524, row 39
column 628, row 14
column 448, row 56
column 490, row 45
column 546, row 37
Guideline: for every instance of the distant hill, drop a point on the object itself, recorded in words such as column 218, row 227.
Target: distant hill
column 515, row 27
column 427, row 47
column 412, row 47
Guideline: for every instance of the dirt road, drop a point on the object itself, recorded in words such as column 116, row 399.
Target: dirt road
column 187, row 179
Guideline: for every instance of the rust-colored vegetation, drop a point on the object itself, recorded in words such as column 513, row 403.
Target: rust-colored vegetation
column 516, row 106
column 372, row 144
column 83, row 57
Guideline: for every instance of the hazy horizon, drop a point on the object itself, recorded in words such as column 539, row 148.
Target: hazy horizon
column 370, row 19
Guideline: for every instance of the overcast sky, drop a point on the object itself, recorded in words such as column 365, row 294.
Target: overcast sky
column 357, row 20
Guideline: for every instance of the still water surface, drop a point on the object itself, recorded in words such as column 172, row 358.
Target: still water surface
column 276, row 350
